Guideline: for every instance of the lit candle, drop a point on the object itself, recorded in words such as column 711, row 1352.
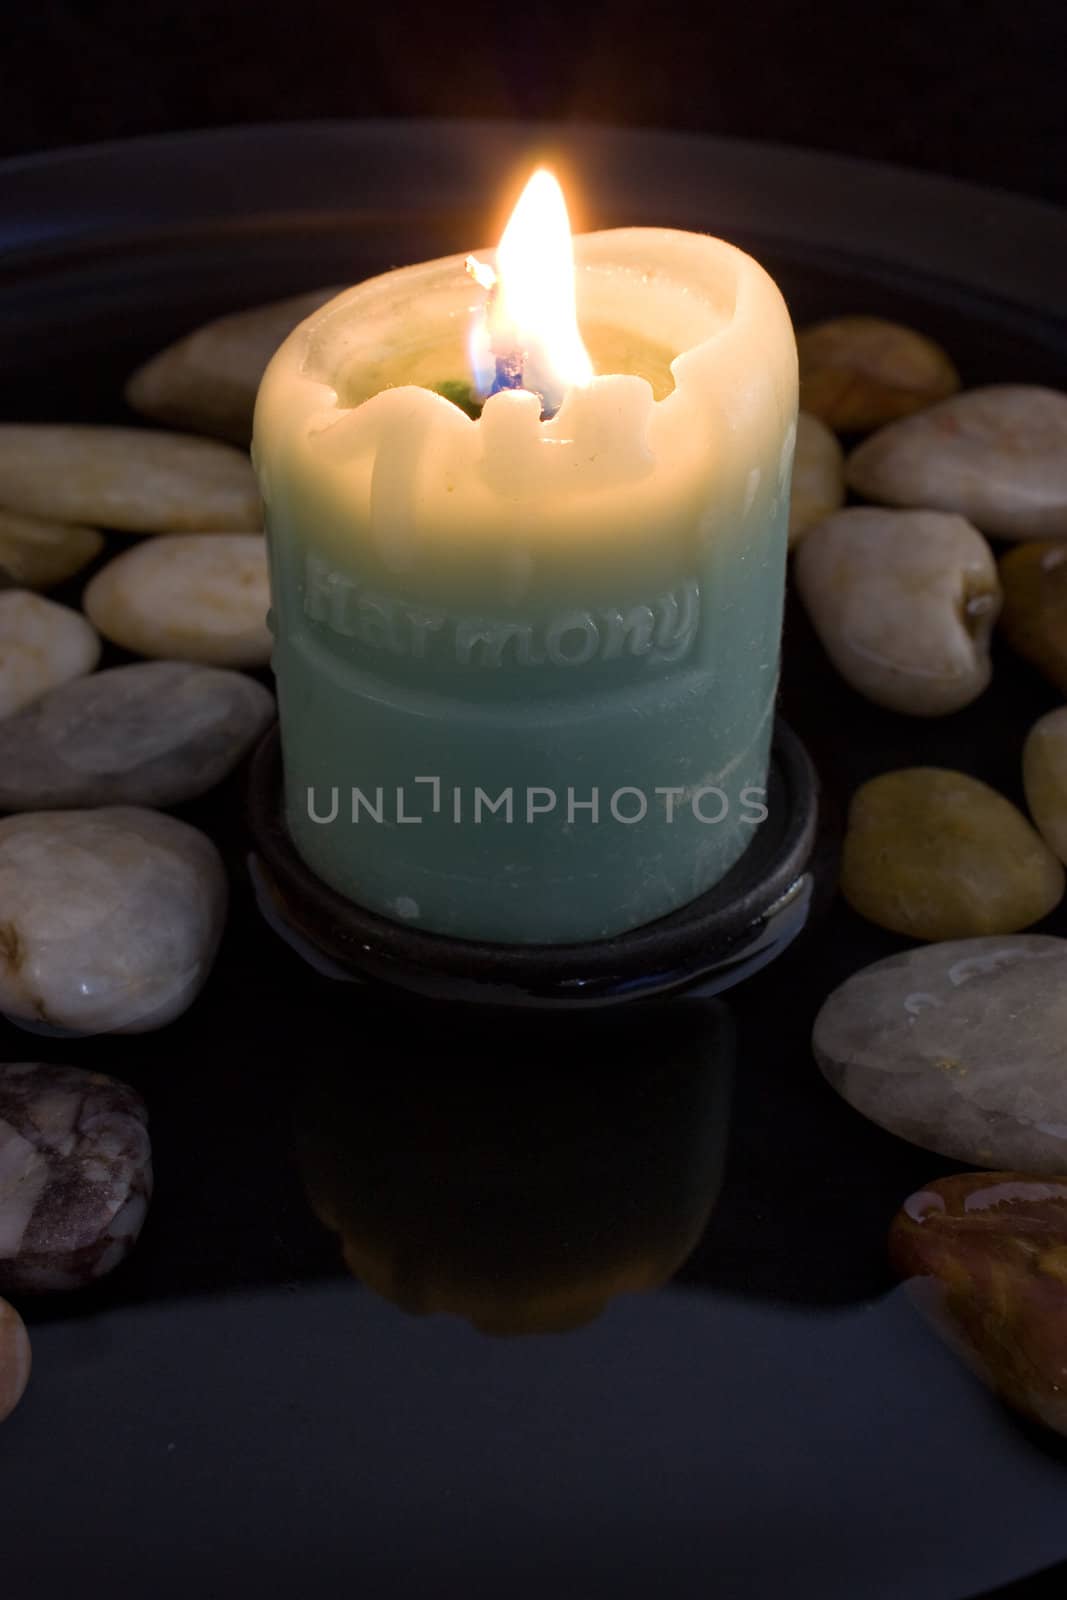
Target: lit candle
column 527, row 658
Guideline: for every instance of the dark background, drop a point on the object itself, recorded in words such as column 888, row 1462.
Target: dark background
column 972, row 88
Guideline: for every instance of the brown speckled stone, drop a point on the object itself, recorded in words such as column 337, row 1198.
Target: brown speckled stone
column 75, row 1176
column 986, row 1254
column 14, row 1359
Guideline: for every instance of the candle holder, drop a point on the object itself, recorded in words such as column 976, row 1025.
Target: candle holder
column 704, row 948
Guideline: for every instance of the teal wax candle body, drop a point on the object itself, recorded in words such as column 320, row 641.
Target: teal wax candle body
column 527, row 670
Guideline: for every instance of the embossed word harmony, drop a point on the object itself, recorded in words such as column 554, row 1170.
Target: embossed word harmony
column 663, row 630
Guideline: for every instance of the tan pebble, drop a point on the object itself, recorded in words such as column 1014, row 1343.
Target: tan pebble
column 189, row 597
column 1034, row 619
column 139, row 480
column 1045, row 778
column 37, row 554
column 42, row 644
column 15, row 1359
column 858, row 372
column 904, row 603
column 938, row 855
column 818, row 476
column 208, row 380
column 997, row 455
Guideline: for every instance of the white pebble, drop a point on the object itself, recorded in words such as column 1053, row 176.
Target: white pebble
column 904, row 603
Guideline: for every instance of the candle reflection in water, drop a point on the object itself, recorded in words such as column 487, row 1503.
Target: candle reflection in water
column 528, row 1187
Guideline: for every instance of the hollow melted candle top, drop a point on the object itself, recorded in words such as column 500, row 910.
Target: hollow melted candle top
column 444, row 360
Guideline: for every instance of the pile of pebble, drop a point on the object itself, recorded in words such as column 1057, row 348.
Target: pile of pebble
column 111, row 911
column 959, row 1044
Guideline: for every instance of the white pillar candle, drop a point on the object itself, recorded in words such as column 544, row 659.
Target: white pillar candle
column 581, row 613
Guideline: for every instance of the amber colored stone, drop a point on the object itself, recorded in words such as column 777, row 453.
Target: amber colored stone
column 987, row 1255
column 938, row 855
column 860, row 372
column 14, row 1359
column 1045, row 778
column 1034, row 618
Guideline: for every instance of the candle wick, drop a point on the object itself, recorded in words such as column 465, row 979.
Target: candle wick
column 509, row 364
column 511, row 374
column 511, row 361
column 510, row 370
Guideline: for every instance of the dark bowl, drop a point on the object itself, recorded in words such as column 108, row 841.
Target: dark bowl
column 231, row 1412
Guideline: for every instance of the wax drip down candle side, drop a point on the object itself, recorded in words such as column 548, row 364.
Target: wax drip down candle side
column 527, row 632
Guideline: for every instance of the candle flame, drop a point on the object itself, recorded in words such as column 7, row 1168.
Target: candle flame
column 526, row 335
column 483, row 275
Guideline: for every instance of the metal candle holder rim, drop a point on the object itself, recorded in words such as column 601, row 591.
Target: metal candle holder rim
column 705, row 946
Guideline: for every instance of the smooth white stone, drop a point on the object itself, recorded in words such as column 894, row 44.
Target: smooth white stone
column 154, row 734
column 960, row 1048
column 189, row 597
column 109, row 919
column 996, row 455
column 904, row 603
column 42, row 644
